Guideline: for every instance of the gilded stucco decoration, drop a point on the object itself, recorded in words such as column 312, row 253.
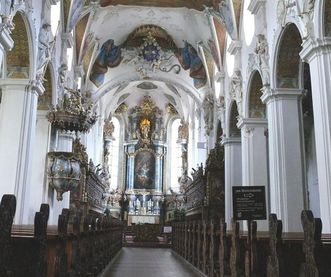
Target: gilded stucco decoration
column 73, row 112
column 122, row 108
column 170, row 109
column 108, row 129
column 18, row 60
column 183, row 130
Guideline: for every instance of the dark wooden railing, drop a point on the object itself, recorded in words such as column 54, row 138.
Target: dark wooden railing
column 213, row 251
column 76, row 247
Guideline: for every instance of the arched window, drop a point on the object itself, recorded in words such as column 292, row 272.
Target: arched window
column 114, row 155
column 175, row 156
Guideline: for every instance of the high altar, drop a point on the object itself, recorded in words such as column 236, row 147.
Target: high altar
column 145, row 151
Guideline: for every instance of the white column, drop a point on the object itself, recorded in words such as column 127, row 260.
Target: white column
column 17, row 133
column 286, row 159
column 232, row 157
column 318, row 54
column 39, row 184
column 254, row 158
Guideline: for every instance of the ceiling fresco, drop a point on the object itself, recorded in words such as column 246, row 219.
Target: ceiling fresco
column 174, row 47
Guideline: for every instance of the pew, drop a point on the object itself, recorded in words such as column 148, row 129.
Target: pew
column 78, row 246
column 214, row 251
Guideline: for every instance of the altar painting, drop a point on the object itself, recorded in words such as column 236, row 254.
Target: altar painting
column 144, row 170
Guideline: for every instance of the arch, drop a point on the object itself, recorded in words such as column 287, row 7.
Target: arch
column 288, row 62
column 19, row 59
column 233, row 119
column 110, row 85
column 256, row 109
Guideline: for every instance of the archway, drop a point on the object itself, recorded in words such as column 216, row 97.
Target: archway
column 18, row 60
column 288, row 176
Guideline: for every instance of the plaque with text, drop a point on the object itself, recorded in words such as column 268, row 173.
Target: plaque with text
column 249, row 203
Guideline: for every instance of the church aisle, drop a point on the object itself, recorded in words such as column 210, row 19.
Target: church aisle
column 149, row 262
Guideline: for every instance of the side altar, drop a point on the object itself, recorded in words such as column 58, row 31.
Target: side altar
column 145, row 155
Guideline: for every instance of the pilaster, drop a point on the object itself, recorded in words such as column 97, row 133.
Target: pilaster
column 233, row 169
column 254, row 157
column 317, row 52
column 17, row 134
column 286, row 156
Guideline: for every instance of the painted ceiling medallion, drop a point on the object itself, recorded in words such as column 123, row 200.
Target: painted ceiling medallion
column 150, row 49
column 149, row 56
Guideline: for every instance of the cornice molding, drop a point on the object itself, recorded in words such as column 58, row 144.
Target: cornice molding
column 280, row 93
column 311, row 48
column 252, row 123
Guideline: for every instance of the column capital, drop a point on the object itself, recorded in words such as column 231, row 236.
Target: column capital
column 34, row 86
column 23, row 85
column 227, row 141
column 269, row 94
column 311, row 48
column 37, row 87
column 252, row 123
column 6, row 42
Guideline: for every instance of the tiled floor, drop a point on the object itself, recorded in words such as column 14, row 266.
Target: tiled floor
column 149, row 262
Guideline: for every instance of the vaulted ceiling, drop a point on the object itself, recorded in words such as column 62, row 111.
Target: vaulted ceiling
column 115, row 41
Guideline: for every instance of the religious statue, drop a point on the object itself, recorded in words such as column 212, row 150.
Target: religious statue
column 236, row 89
column 62, row 75
column 44, row 47
column 221, row 111
column 208, row 110
column 108, row 129
column 183, row 130
column 307, row 15
column 262, row 55
column 6, row 9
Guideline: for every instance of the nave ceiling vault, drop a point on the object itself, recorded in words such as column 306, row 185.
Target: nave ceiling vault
column 175, row 24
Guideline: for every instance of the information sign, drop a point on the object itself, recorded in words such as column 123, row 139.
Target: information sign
column 249, row 203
